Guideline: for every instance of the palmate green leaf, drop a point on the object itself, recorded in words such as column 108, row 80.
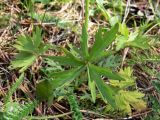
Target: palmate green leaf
column 106, row 72
column 29, row 43
column 102, row 40
column 92, row 86
column 30, row 47
column 105, row 90
column 45, row 88
column 25, row 43
column 23, row 61
column 156, row 84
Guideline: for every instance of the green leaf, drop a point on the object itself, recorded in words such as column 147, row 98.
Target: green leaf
column 106, row 72
column 84, row 42
column 65, row 60
column 121, row 40
column 14, row 87
column 156, row 84
column 66, row 73
column 45, row 88
column 92, row 86
column 102, row 55
column 133, row 40
column 105, row 90
column 139, row 42
column 114, row 19
column 77, row 115
column 75, row 50
column 102, row 40
column 16, row 111
column 37, row 37
column 123, row 29
column 70, row 55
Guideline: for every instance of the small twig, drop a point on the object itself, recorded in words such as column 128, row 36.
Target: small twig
column 49, row 117
column 124, row 19
column 124, row 55
column 91, row 112
column 136, row 115
column 64, row 114
column 126, row 11
column 57, row 107
column 151, row 28
column 148, row 89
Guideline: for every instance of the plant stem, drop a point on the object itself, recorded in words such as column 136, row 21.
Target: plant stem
column 86, row 13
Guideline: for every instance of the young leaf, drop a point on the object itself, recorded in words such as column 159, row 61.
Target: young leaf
column 105, row 90
column 127, row 76
column 103, row 40
column 126, row 99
